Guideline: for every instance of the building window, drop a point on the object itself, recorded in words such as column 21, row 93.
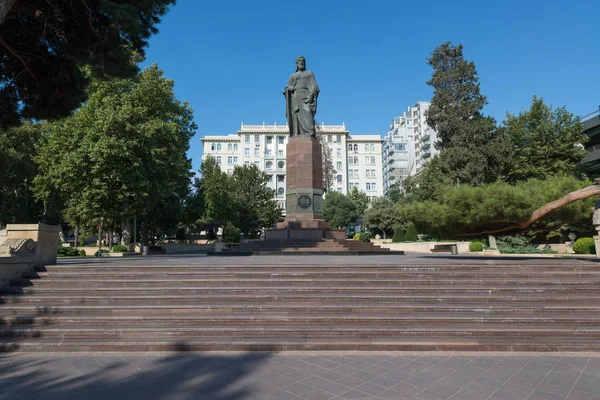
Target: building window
column 212, row 146
column 229, row 147
column 269, row 164
column 372, row 147
column 279, row 153
column 256, row 152
column 247, row 138
column 268, row 153
column 353, row 160
column 370, row 173
column 246, row 163
column 247, row 151
column 400, row 146
column 218, row 160
column 269, row 139
column 235, row 147
column 371, row 186
column 349, row 147
column 356, row 148
column 339, row 179
column 366, row 147
column 256, row 139
column 353, row 185
column 280, row 139
column 338, row 138
column 339, row 152
column 329, row 138
column 280, row 178
column 370, row 160
column 235, row 159
column 229, row 171
column 229, row 160
column 280, row 192
column 218, row 146
column 339, row 165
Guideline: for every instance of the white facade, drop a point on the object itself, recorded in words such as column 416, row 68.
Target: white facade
column 408, row 145
column 264, row 146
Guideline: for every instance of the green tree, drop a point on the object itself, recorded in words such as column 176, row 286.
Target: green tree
column 120, row 154
column 17, row 149
column 498, row 207
column 45, row 43
column 472, row 151
column 429, row 184
column 254, row 203
column 360, row 199
column 385, row 216
column 544, row 142
column 338, row 209
column 217, row 191
column 395, row 192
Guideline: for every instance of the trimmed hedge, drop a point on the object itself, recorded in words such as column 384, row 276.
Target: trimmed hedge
column 364, row 236
column 411, row 234
column 67, row 252
column 119, row 248
column 476, row 246
column 584, row 245
column 398, row 235
column 231, row 234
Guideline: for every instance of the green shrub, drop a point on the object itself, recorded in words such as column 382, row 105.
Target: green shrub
column 411, row 234
column 356, row 236
column 476, row 246
column 364, row 236
column 231, row 234
column 119, row 248
column 584, row 245
column 398, row 235
column 82, row 253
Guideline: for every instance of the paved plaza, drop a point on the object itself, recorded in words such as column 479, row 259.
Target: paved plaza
column 311, row 376
column 303, row 375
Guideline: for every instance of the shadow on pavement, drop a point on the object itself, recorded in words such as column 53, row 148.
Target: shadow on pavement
column 173, row 376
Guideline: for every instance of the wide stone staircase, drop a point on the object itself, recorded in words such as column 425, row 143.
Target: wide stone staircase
column 308, row 247
column 117, row 307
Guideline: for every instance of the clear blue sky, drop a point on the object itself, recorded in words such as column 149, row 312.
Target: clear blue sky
column 231, row 58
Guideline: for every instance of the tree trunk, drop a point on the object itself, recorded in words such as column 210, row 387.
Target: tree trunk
column 126, row 233
column 76, row 235
column 5, row 7
column 593, row 190
column 110, row 239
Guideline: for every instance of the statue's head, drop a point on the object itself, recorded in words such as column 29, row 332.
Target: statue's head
column 300, row 63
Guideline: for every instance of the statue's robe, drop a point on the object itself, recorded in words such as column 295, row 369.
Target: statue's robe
column 302, row 103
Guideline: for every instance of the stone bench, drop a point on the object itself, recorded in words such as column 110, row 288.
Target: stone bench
column 445, row 248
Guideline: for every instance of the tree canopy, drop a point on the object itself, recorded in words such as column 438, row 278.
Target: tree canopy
column 543, row 142
column 472, row 152
column 339, row 209
column 121, row 153
column 45, row 43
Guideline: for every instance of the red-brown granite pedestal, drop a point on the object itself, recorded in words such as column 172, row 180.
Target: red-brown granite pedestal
column 304, row 195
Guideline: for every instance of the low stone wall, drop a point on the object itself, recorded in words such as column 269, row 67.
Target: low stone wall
column 45, row 236
column 14, row 266
column 420, row 247
column 186, row 248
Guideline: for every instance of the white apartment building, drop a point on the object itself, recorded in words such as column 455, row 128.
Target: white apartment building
column 356, row 158
column 408, row 145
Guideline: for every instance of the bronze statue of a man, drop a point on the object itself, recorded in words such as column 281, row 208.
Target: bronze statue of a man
column 301, row 96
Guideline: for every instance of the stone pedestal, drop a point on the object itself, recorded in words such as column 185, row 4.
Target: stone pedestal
column 45, row 236
column 304, row 194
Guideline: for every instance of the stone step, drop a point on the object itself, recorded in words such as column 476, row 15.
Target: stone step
column 295, row 268
column 521, row 310
column 307, row 344
column 305, row 318
column 590, row 291
column 284, row 297
column 67, row 332
column 276, row 281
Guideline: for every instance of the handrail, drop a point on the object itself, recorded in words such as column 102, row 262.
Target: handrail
column 591, row 115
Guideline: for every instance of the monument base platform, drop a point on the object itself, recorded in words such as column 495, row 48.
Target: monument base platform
column 303, row 229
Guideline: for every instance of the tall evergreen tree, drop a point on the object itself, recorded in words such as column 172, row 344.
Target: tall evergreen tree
column 472, row 152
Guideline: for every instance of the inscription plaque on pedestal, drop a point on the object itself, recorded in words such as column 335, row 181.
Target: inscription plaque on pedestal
column 304, row 201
